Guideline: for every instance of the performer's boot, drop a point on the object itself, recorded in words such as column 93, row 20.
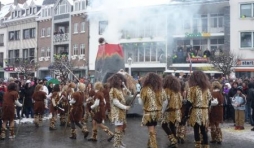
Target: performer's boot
column 111, row 135
column 173, row 141
column 122, row 144
column 62, row 120
column 40, row 118
column 205, row 146
column 52, row 124
column 85, row 131
column 85, row 118
column 219, row 135
column 181, row 134
column 152, row 143
column 213, row 135
column 118, row 136
column 198, row 144
column 73, row 134
column 201, row 137
column 12, row 134
column 3, row 134
column 94, row 136
column 36, row 120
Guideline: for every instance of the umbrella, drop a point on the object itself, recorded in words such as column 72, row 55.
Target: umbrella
column 54, row 81
column 48, row 78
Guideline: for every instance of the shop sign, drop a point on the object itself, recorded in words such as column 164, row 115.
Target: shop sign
column 247, row 63
column 207, row 34
column 9, row 69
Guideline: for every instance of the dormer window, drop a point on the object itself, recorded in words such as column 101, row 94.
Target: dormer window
column 27, row 11
column 34, row 10
column 13, row 14
column 62, row 8
column 19, row 13
column 46, row 12
column 79, row 5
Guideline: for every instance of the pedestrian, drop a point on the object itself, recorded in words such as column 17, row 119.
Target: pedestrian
column 152, row 96
column 198, row 98
column 171, row 108
column 118, row 108
column 231, row 94
column 28, row 102
column 227, row 104
column 216, row 113
column 10, row 100
column 239, row 101
column 98, row 109
column 39, row 98
column 77, row 111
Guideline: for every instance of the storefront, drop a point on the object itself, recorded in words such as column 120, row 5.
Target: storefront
column 245, row 68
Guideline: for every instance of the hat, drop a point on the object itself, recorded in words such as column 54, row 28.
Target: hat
column 28, row 81
column 240, row 88
column 227, row 84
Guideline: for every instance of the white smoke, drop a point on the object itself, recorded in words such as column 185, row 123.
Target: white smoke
column 130, row 14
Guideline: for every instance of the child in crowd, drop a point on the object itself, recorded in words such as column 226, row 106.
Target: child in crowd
column 238, row 101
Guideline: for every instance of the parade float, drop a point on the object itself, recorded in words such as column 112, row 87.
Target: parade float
column 110, row 60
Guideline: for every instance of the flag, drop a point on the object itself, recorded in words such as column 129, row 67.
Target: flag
column 190, row 62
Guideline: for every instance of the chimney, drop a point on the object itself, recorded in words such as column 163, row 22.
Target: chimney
column 16, row 2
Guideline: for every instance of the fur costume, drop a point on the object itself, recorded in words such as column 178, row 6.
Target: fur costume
column 39, row 106
column 130, row 82
column 98, row 109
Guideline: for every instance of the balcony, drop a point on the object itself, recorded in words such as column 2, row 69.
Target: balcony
column 61, row 38
column 19, row 61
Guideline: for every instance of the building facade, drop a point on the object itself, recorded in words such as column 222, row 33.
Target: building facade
column 4, row 13
column 242, row 36
column 63, row 29
column 21, row 27
column 158, row 39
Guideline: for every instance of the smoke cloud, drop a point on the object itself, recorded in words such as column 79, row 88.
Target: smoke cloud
column 128, row 15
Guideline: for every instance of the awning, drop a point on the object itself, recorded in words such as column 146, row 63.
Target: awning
column 244, row 69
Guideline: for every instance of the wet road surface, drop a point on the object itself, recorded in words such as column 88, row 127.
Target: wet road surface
column 136, row 137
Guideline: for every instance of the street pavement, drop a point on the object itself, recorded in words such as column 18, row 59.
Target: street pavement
column 136, row 137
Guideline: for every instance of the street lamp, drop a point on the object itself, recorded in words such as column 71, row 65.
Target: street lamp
column 129, row 63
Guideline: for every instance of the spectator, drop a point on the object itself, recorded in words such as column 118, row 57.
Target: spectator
column 28, row 103
column 238, row 102
column 231, row 94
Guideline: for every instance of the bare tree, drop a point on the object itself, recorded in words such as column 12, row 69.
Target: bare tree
column 61, row 67
column 24, row 66
column 224, row 62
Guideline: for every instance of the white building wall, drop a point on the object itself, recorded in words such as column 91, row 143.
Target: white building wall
column 22, row 43
column 238, row 25
column 93, row 42
column 3, row 48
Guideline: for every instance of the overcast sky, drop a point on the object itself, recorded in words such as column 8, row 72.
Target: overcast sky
column 7, row 1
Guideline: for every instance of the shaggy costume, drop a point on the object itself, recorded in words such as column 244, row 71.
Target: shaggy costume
column 77, row 111
column 171, row 115
column 53, row 109
column 8, row 108
column 199, row 119
column 152, row 108
column 39, row 106
column 118, row 114
column 216, row 116
column 98, row 109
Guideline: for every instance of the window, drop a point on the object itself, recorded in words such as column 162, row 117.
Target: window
column 1, row 59
column 79, row 5
column 62, row 8
column 76, row 28
column 246, row 39
column 83, row 27
column 14, row 53
column 29, row 33
column 43, row 32
column 43, row 52
column 27, row 11
column 48, row 31
column 102, row 26
column 46, row 12
column 1, row 39
column 82, row 49
column 14, row 35
column 246, row 10
column 75, row 49
column 216, row 20
column 34, row 10
column 48, row 52
column 216, row 44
